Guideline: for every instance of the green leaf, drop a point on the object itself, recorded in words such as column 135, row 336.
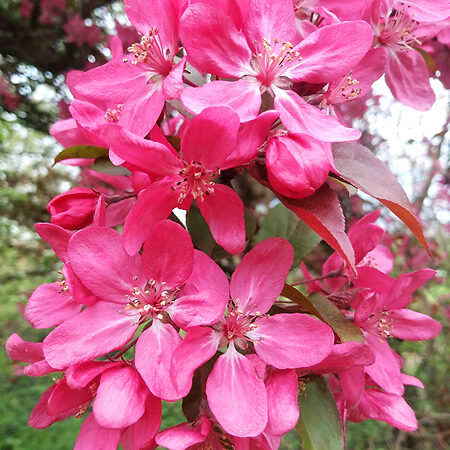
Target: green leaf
column 81, row 151
column 281, row 222
column 319, row 426
column 332, row 315
column 318, row 305
column 104, row 165
column 199, row 231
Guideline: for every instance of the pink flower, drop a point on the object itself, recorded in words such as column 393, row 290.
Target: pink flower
column 140, row 83
column 163, row 284
column 237, row 393
column 79, row 33
column 297, row 165
column 209, row 144
column 74, row 209
column 264, row 60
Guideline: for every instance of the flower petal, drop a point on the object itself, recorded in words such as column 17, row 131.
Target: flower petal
column 91, row 432
column 198, row 346
column 168, row 254
column 120, row 399
column 282, row 388
column 411, row 325
column 97, row 330
column 303, row 118
column 212, row 42
column 210, row 137
column 236, row 396
column 49, row 306
column 224, row 213
column 291, row 341
column 154, row 351
column 259, row 279
column 153, row 205
column 90, row 249
column 242, row 96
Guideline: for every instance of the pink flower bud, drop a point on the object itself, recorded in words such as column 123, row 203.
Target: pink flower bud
column 73, row 209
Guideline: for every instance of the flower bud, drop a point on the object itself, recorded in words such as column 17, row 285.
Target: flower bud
column 73, row 209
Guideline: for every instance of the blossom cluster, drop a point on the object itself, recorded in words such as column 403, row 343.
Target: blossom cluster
column 210, row 90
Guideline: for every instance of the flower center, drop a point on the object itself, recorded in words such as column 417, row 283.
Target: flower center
column 397, row 30
column 150, row 301
column 272, row 60
column 113, row 115
column 150, row 52
column 347, row 89
column 383, row 323
column 236, row 324
column 195, row 180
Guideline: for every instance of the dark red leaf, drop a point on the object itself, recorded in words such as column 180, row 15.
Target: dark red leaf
column 358, row 165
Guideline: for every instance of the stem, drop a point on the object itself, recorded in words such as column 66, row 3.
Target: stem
column 333, row 274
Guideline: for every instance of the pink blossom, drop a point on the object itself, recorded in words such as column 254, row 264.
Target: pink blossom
column 263, row 59
column 132, row 290
column 81, row 34
column 140, row 83
column 209, row 144
column 237, row 395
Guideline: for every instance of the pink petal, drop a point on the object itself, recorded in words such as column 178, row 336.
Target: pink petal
column 270, row 20
column 330, row 52
column 205, row 307
column 154, row 351
column 297, row 165
column 184, row 436
column 97, row 330
column 89, row 249
column 40, row 418
column 173, row 82
column 140, row 113
column 49, row 306
column 282, row 388
column 23, row 351
column 144, row 430
column 411, row 325
column 206, row 275
column 148, row 155
column 161, row 14
column 408, row 78
column 251, row 137
column 353, row 384
column 168, row 254
column 120, row 399
column 426, row 10
column 224, row 213
column 345, row 356
column 213, row 43
column 153, row 205
column 259, row 279
column 236, row 396
column 389, row 408
column 64, row 399
column 302, row 118
column 91, row 432
column 198, row 346
column 290, row 341
column 210, row 137
column 242, row 96
column 386, row 370
column 80, row 375
column 400, row 294
column 56, row 236
column 409, row 380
